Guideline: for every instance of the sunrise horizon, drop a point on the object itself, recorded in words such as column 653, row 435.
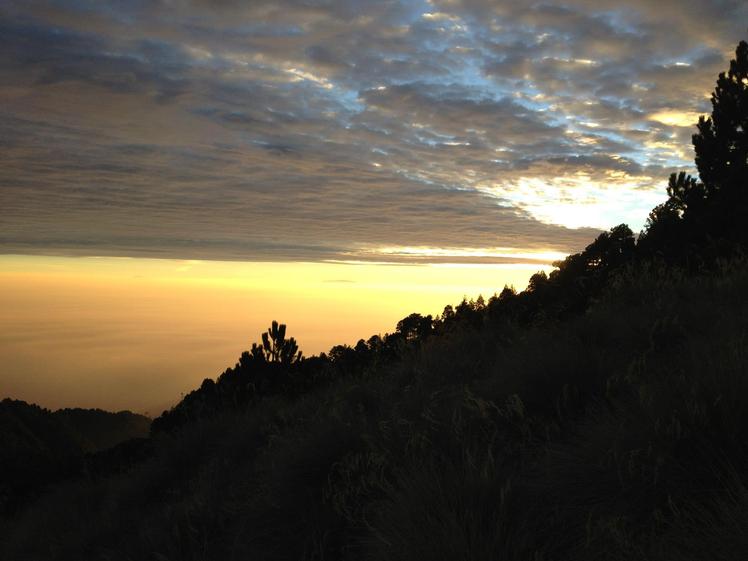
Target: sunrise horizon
column 399, row 280
column 469, row 145
column 75, row 308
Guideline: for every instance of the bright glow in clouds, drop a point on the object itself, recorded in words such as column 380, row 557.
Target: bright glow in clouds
column 674, row 118
column 290, row 132
column 558, row 201
column 543, row 257
column 136, row 333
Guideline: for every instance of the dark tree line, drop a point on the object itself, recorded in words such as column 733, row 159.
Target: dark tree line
column 40, row 448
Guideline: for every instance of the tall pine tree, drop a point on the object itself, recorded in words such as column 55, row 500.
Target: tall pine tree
column 721, row 146
column 722, row 141
column 704, row 219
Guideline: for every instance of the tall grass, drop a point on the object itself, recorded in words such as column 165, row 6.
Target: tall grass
column 619, row 434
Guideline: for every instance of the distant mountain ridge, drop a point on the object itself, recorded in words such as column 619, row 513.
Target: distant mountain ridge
column 40, row 447
column 98, row 429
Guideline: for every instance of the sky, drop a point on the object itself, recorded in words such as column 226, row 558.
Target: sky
column 122, row 333
column 476, row 137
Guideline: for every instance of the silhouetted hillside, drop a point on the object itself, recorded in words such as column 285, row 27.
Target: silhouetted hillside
column 602, row 413
column 617, row 434
column 99, row 430
column 39, row 447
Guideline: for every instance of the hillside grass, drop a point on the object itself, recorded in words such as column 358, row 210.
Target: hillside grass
column 618, row 434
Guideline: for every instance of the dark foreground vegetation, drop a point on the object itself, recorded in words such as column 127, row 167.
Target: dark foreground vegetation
column 602, row 413
column 39, row 447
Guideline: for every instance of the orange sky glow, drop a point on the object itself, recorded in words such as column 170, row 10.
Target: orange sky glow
column 122, row 333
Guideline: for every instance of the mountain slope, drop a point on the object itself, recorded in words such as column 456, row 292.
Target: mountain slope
column 39, row 447
column 618, row 434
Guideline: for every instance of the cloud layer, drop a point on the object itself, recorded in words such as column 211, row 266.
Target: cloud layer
column 342, row 129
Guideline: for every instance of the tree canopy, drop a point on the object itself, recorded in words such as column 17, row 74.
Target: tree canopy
column 275, row 347
column 709, row 210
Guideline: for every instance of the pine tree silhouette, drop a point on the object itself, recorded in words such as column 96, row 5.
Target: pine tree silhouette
column 275, row 347
column 721, row 147
column 704, row 218
column 722, row 141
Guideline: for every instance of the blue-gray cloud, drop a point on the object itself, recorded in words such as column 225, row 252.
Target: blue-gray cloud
column 326, row 130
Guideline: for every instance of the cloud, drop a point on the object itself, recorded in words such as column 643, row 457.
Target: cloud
column 331, row 130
